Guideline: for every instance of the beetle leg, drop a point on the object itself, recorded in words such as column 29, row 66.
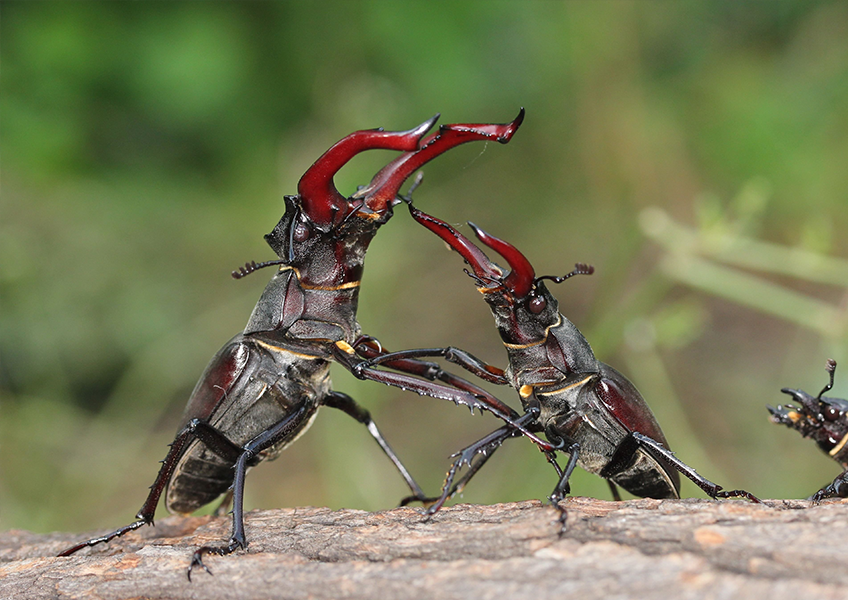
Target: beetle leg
column 572, row 448
column 405, row 361
column 214, row 439
column 349, row 406
column 712, row 490
column 614, row 491
column 467, row 361
column 346, row 356
column 249, row 451
column 485, row 447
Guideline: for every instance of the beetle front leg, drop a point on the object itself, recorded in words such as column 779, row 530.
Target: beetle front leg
column 461, row 358
column 486, row 446
column 346, row 356
column 572, row 448
column 712, row 490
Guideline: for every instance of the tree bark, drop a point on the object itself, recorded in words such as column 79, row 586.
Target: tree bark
column 636, row 549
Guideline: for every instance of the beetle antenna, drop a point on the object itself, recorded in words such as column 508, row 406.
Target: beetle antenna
column 830, row 367
column 250, row 267
column 579, row 269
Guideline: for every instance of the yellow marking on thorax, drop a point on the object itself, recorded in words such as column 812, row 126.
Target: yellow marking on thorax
column 525, row 391
column 274, row 348
column 568, row 387
column 540, row 342
column 330, row 288
column 839, row 446
column 345, row 347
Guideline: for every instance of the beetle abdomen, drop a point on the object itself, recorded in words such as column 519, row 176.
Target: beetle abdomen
column 266, row 391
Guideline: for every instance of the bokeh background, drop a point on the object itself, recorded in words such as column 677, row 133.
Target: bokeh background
column 696, row 153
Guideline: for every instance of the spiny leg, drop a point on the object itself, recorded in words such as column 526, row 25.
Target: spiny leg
column 484, row 447
column 712, row 490
column 370, row 348
column 572, row 448
column 461, row 358
column 214, row 439
column 614, row 491
column 346, row 356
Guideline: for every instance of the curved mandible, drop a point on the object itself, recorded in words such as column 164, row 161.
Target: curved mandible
column 485, row 271
column 320, row 198
column 522, row 275
column 385, row 185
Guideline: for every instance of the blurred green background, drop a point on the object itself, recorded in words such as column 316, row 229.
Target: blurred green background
column 695, row 153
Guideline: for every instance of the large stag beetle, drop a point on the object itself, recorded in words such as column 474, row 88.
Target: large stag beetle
column 584, row 407
column 824, row 420
column 263, row 388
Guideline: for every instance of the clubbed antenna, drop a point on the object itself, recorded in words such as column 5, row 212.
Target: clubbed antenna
column 579, row 269
column 250, row 267
column 830, row 367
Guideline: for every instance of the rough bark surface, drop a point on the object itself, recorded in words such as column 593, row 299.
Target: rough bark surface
column 636, row 549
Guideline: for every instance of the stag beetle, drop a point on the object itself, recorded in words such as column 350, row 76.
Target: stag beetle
column 826, row 421
column 263, row 388
column 584, row 407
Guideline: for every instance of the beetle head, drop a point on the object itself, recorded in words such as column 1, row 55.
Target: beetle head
column 523, row 307
column 821, row 418
column 324, row 234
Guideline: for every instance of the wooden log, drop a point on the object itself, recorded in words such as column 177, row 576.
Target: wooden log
column 636, row 549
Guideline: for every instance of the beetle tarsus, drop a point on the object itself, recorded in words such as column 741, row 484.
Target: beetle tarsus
column 106, row 538
column 197, row 557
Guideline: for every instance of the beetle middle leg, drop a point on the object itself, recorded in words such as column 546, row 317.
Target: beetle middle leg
column 349, row 406
column 248, row 452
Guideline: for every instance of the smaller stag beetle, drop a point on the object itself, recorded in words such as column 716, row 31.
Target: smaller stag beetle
column 584, row 407
column 824, row 420
column 264, row 387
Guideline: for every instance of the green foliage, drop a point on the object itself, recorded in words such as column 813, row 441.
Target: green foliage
column 146, row 146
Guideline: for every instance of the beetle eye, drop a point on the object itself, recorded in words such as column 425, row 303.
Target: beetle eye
column 301, row 232
column 536, row 304
column 830, row 413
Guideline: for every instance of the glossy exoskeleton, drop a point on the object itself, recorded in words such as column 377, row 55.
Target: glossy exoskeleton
column 584, row 407
column 264, row 387
column 824, row 420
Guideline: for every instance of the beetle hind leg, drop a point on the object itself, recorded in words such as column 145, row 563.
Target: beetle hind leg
column 350, row 407
column 713, row 490
column 145, row 514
